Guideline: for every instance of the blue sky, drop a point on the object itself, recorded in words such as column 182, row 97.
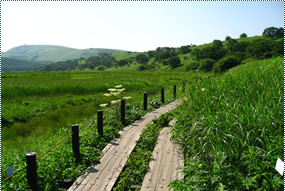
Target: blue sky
column 133, row 26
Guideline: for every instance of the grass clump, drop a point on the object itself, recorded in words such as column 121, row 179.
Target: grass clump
column 231, row 130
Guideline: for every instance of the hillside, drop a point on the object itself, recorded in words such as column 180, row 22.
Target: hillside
column 46, row 54
column 15, row 65
column 217, row 56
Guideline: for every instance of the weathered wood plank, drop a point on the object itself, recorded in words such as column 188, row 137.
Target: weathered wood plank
column 104, row 175
column 166, row 163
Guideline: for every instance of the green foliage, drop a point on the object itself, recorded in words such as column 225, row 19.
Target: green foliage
column 228, row 38
column 162, row 53
column 174, row 62
column 206, row 65
column 226, row 63
column 273, row 32
column 216, row 51
column 243, row 35
column 260, row 48
column 192, row 65
column 122, row 62
column 231, row 129
column 185, row 49
column 142, row 59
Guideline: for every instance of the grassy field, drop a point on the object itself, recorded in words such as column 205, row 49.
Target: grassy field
column 230, row 128
column 38, row 104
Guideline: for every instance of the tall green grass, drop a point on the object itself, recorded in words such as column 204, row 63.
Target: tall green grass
column 231, row 130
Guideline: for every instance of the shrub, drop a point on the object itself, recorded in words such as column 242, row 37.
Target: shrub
column 193, row 65
column 206, row 65
column 258, row 48
column 142, row 68
column 226, row 63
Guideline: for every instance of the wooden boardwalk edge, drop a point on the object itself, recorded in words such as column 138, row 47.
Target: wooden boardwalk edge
column 114, row 156
column 166, row 163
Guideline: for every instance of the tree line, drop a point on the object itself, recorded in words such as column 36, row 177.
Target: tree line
column 218, row 56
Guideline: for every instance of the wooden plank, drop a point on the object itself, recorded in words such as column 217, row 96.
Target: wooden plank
column 166, row 163
column 103, row 176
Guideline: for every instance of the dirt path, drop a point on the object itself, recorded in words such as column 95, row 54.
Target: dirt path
column 103, row 176
column 166, row 163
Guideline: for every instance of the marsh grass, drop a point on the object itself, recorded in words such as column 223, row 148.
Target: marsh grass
column 231, row 130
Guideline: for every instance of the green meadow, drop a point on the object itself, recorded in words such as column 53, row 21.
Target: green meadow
column 230, row 125
column 40, row 103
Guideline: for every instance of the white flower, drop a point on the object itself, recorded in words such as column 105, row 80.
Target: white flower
column 115, row 93
column 107, row 95
column 120, row 90
column 203, row 89
column 118, row 86
column 115, row 101
column 103, row 105
column 112, row 90
column 126, row 98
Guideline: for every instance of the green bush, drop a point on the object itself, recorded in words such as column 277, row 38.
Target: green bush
column 206, row 65
column 226, row 63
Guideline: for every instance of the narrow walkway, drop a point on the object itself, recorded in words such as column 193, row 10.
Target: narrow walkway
column 166, row 163
column 103, row 176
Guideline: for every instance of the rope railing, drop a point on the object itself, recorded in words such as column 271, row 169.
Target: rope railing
column 44, row 153
column 75, row 143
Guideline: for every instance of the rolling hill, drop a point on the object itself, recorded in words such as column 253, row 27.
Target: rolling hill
column 45, row 54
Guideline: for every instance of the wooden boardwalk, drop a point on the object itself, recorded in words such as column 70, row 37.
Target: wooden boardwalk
column 166, row 163
column 103, row 176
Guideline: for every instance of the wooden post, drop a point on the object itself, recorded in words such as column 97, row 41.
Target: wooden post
column 32, row 177
column 123, row 111
column 162, row 95
column 145, row 101
column 174, row 91
column 75, row 142
column 183, row 86
column 100, row 122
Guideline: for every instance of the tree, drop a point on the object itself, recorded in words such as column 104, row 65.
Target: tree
column 185, row 49
column 228, row 38
column 122, row 62
column 174, row 62
column 273, row 32
column 142, row 59
column 217, row 44
column 243, row 35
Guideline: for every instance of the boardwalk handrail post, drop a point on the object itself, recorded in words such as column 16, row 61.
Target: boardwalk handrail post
column 32, row 177
column 183, row 86
column 174, row 91
column 162, row 95
column 100, row 122
column 145, row 101
column 123, row 111
column 75, row 142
